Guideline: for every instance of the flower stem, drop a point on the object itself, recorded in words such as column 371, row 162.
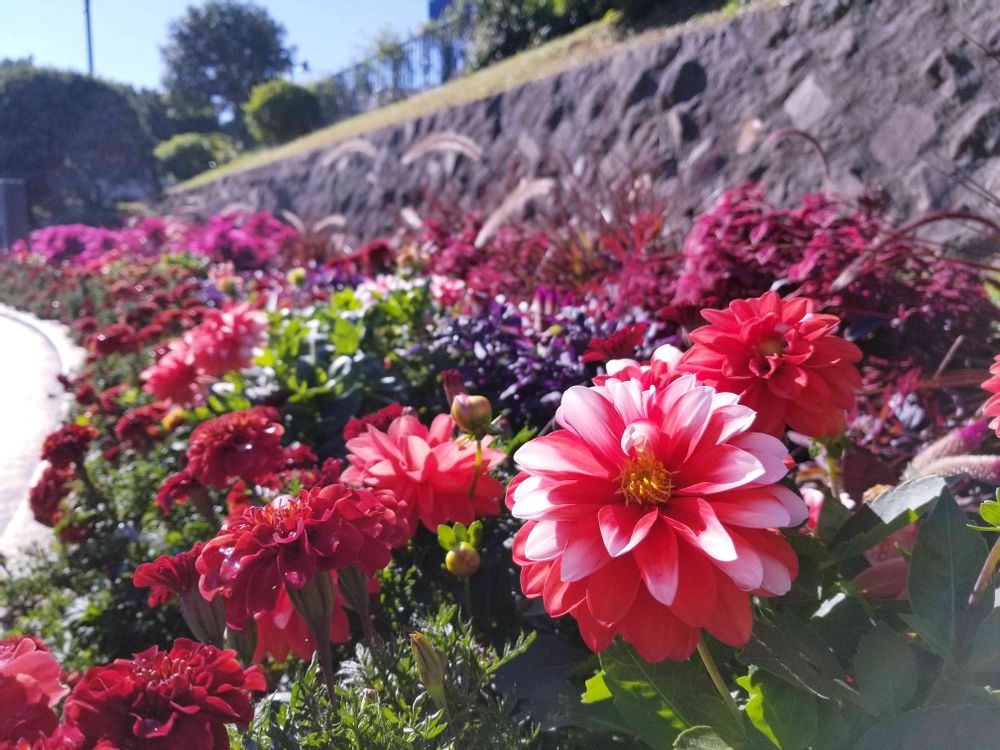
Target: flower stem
column 479, row 466
column 986, row 573
column 720, row 684
column 467, row 586
column 833, row 475
column 314, row 602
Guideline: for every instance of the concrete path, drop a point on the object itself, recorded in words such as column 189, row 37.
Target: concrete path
column 32, row 404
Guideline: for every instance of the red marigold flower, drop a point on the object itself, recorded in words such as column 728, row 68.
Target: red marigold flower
column 380, row 420
column 619, row 345
column 428, row 470
column 282, row 631
column 290, row 541
column 165, row 700
column 68, row 445
column 175, row 378
column 299, row 456
column 783, row 361
column 167, row 577
column 140, row 426
column 244, row 444
column 651, row 514
column 116, row 338
column 992, row 406
column 225, row 339
column 47, row 494
column 29, row 688
column 177, row 488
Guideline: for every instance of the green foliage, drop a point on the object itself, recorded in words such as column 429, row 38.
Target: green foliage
column 218, row 51
column 188, row 154
column 279, row 110
column 76, row 141
column 336, row 100
column 381, row 702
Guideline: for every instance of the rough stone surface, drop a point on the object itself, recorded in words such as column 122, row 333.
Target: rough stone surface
column 898, row 93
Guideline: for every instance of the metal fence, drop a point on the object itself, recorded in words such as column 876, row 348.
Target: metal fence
column 399, row 70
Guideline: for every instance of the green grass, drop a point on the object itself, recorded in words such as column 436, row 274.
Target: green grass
column 595, row 41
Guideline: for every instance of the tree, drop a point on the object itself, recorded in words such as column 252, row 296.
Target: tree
column 279, row 111
column 218, row 52
column 187, row 154
column 76, row 141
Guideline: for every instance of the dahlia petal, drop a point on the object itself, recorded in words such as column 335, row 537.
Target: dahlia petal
column 780, row 562
column 731, row 621
column 592, row 418
column 584, row 552
column 624, row 526
column 719, row 468
column 561, row 455
column 561, row 596
column 696, row 576
column 656, row 633
column 747, row 570
column 695, row 521
column 611, row 590
column 441, row 429
column 759, row 508
column 656, row 559
column 768, row 450
column 546, row 540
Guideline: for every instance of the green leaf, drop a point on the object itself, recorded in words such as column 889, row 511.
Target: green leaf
column 793, row 651
column 888, row 513
column 597, row 689
column 476, row 533
column 784, row 714
column 461, row 533
column 985, row 654
column 446, row 537
column 661, row 700
column 700, row 738
column 946, row 560
column 886, row 670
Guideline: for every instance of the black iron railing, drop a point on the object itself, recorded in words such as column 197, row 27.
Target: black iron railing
column 399, row 70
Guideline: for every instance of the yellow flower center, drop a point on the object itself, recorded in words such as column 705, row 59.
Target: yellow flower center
column 645, row 481
column 772, row 346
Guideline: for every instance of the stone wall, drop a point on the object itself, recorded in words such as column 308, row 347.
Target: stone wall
column 902, row 94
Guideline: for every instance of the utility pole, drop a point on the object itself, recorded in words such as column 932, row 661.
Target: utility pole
column 90, row 40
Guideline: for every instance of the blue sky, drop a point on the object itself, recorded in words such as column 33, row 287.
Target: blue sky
column 128, row 34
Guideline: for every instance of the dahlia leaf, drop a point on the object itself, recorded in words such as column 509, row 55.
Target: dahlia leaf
column 886, row 670
column 787, row 716
column 700, row 738
column 947, row 557
column 985, row 655
column 597, row 689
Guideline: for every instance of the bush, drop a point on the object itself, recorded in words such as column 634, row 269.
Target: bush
column 188, row 154
column 336, row 99
column 76, row 141
column 279, row 111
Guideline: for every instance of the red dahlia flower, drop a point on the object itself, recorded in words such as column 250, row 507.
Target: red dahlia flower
column 181, row 698
column 141, row 426
column 651, row 514
column 244, row 444
column 620, row 344
column 427, row 469
column 47, row 494
column 68, row 445
column 292, row 540
column 992, row 406
column 179, row 488
column 783, row 361
column 380, row 420
column 29, row 688
column 174, row 377
column 225, row 339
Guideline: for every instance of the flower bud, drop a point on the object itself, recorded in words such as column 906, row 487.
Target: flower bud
column 472, row 413
column 453, row 384
column 463, row 561
column 431, row 665
column 297, row 276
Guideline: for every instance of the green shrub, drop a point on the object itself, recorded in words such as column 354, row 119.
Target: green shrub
column 279, row 111
column 188, row 154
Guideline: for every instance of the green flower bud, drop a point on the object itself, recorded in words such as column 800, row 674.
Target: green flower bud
column 463, row 561
column 431, row 665
column 472, row 413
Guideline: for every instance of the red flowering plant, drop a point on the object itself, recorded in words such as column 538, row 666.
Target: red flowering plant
column 244, row 444
column 30, row 688
column 300, row 545
column 181, row 697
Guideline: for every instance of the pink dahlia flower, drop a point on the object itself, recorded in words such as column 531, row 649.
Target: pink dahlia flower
column 226, row 339
column 427, row 469
column 652, row 514
column 992, row 406
column 29, row 689
column 783, row 361
column 174, row 378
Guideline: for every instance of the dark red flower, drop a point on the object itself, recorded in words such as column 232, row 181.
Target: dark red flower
column 167, row 577
column 140, row 426
column 299, row 456
column 116, row 338
column 619, row 345
column 47, row 494
column 177, row 488
column 290, row 541
column 380, row 420
column 165, row 700
column 68, row 445
column 244, row 444
column 108, row 399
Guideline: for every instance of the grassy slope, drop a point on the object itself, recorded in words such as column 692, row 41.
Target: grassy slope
column 591, row 42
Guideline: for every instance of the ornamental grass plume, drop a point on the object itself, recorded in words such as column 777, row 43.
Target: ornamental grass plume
column 782, row 359
column 164, row 700
column 30, row 687
column 652, row 514
column 428, row 470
